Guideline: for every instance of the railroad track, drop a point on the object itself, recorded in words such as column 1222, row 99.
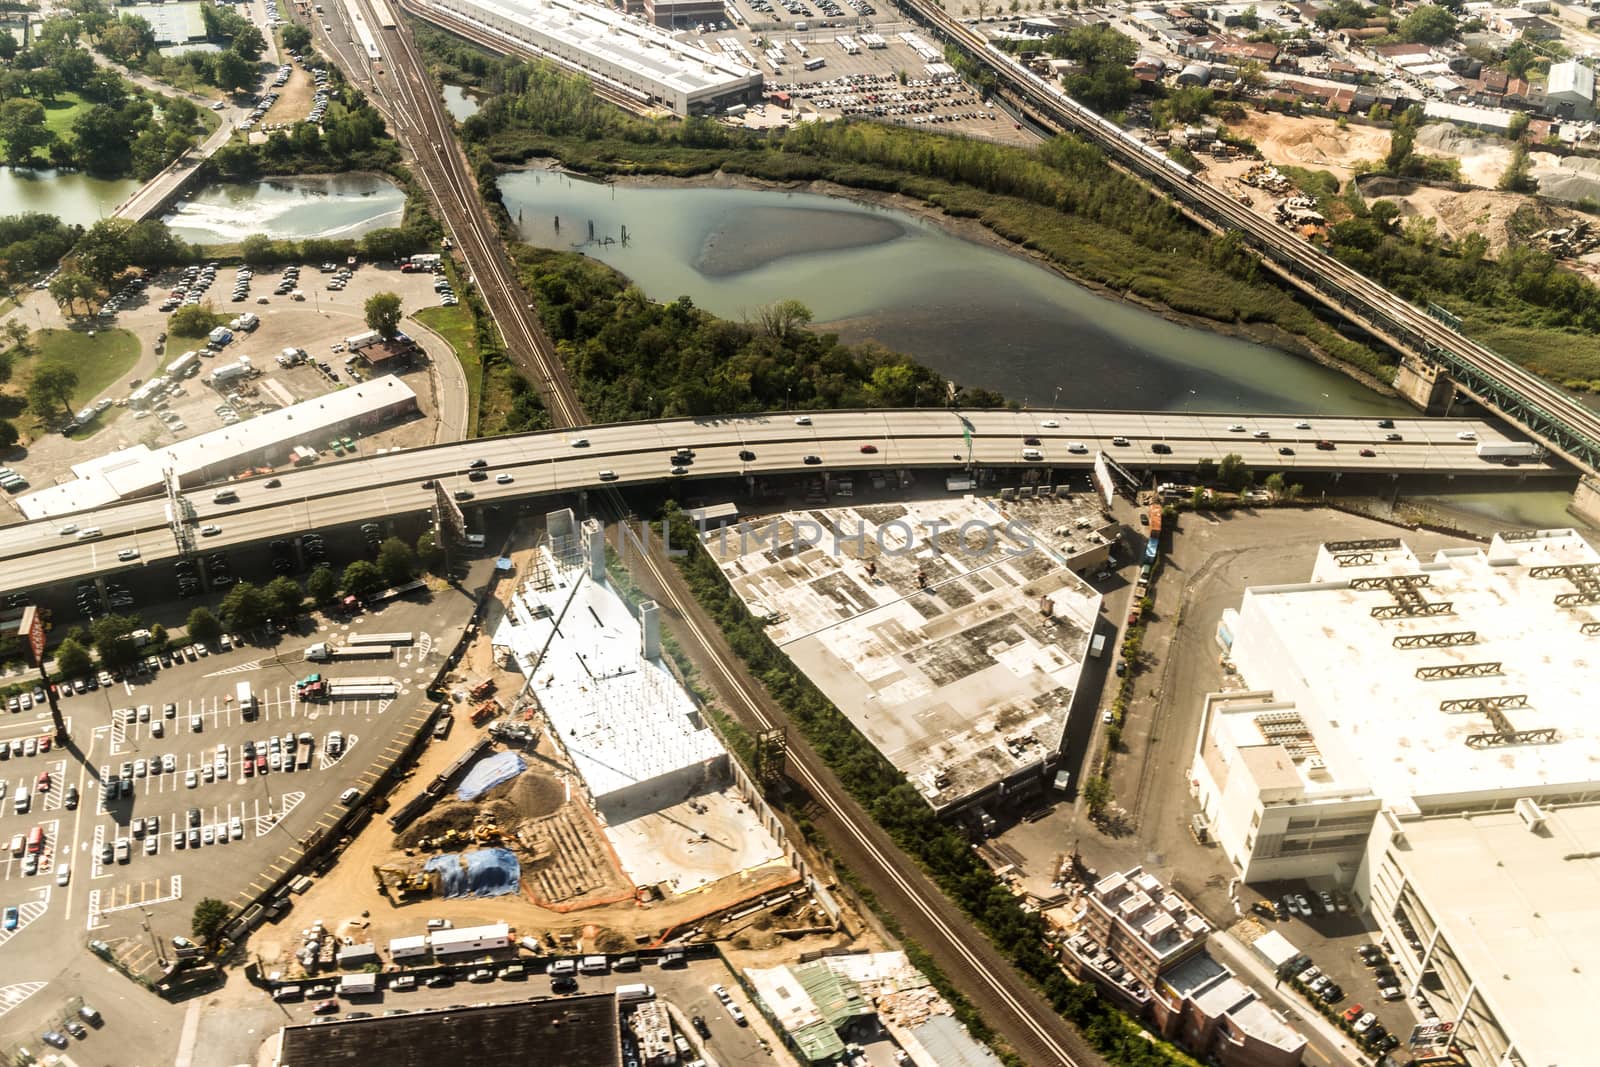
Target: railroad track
column 1563, row 423
column 423, row 126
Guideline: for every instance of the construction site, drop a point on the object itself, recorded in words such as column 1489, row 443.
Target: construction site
column 572, row 791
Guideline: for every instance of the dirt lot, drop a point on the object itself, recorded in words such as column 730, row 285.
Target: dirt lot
column 1504, row 218
column 323, row 319
column 294, row 100
column 1313, row 143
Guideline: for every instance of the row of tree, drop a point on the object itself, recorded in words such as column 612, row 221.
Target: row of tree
column 245, row 606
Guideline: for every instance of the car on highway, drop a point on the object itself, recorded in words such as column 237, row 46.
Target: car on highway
column 1161, row 448
column 1368, row 453
column 608, row 476
column 746, row 455
column 1325, row 446
column 1285, row 450
column 1466, row 435
column 210, row 530
column 812, row 460
column 580, row 442
column 127, row 554
column 502, row 479
column 802, row 420
column 478, row 464
column 1236, row 428
column 463, row 494
column 477, row 476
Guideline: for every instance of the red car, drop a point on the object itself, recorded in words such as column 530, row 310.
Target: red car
column 249, row 768
column 44, row 781
column 869, row 448
column 326, row 1007
column 261, row 765
column 1353, row 1012
column 1369, row 453
column 44, row 743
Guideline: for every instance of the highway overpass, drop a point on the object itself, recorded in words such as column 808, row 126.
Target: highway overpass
column 775, row 443
column 1545, row 411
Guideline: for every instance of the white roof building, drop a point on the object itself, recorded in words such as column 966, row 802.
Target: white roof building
column 613, row 48
column 1570, row 90
column 1500, row 907
column 627, row 725
column 213, row 456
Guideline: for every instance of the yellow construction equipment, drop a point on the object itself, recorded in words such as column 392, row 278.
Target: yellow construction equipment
column 405, row 885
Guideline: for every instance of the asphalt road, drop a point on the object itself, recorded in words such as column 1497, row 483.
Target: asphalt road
column 634, row 453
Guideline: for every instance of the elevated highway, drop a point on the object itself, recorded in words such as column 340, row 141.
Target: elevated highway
column 1546, row 412
column 614, row 456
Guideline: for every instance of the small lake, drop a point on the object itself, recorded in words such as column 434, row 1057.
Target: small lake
column 339, row 205
column 977, row 314
column 461, row 104
column 72, row 197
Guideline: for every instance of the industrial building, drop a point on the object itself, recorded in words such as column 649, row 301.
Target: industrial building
column 1419, row 731
column 950, row 632
column 266, row 440
column 682, row 14
column 577, row 1030
column 1497, row 910
column 1569, row 92
column 817, row 1007
column 596, row 672
column 610, row 47
column 1392, row 683
column 1144, row 946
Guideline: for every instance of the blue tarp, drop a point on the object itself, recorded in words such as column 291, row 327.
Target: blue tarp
column 489, row 872
column 488, row 773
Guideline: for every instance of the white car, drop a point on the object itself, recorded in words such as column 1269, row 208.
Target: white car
column 503, row 479
column 1467, row 435
column 63, row 873
column 158, row 729
column 69, row 528
column 1236, row 428
column 1049, row 424
column 222, row 768
column 802, row 420
column 235, row 828
column 577, row 442
column 169, row 763
column 210, row 530
column 190, row 779
column 1302, row 426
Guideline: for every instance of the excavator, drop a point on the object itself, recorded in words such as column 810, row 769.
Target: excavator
column 406, row 885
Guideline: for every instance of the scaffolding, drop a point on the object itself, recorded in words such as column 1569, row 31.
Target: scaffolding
column 1459, row 670
column 1406, row 590
column 1585, row 577
column 1503, row 733
column 180, row 514
column 1445, row 639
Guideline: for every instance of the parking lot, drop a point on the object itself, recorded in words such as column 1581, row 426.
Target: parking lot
column 318, row 324
column 205, row 817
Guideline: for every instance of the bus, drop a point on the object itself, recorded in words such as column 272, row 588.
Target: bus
column 378, row 639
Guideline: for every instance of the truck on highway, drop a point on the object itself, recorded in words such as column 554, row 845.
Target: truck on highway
column 1503, row 450
column 322, row 652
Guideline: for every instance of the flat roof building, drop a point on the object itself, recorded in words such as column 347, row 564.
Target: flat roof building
column 611, row 47
column 1499, row 908
column 265, row 439
column 570, row 1030
column 1569, row 92
column 950, row 632
column 1421, row 686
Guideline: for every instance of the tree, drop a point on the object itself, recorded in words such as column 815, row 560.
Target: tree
column 392, row 243
column 230, row 70
column 194, row 320
column 1233, row 473
column 1428, row 24
column 396, row 561
column 110, row 634
column 203, row 627
column 383, row 313
column 1274, row 484
column 8, row 46
column 244, row 607
column 248, row 42
column 284, row 598
column 1206, row 470
column 72, row 659
column 210, row 915
column 1518, row 176
column 51, row 390
column 783, row 319
column 295, row 37
column 69, row 287
column 430, row 554
column 158, row 636
column 322, row 585
column 102, row 251
column 1096, row 793
column 22, row 129
column 362, row 577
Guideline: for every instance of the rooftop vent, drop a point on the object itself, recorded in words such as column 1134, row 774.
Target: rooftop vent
column 1532, row 816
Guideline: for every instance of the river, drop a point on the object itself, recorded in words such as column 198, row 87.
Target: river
column 72, row 197
column 977, row 314
column 340, row 205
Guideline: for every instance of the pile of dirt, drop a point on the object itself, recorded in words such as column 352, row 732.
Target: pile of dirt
column 1503, row 218
column 1575, row 178
column 457, row 815
column 533, row 795
column 1483, row 159
column 1315, row 143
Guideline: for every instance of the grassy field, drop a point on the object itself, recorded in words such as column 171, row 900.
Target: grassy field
column 454, row 324
column 99, row 360
column 60, row 115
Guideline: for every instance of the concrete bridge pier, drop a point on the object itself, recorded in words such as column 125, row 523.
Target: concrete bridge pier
column 1585, row 503
column 299, row 546
column 200, row 565
column 1424, row 385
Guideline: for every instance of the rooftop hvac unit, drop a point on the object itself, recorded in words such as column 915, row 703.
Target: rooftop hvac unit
column 1532, row 816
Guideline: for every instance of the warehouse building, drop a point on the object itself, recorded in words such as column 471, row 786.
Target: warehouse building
column 267, row 439
column 1420, row 731
column 951, row 632
column 1569, row 92
column 610, row 47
